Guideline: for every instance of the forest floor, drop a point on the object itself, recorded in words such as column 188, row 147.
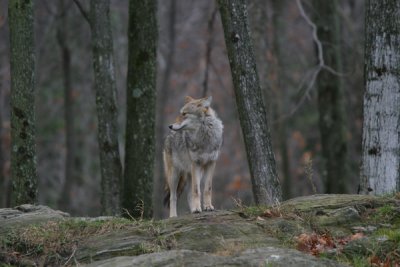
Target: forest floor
column 318, row 230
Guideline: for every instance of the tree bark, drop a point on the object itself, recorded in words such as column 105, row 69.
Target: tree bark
column 281, row 128
column 252, row 115
column 22, row 60
column 162, row 94
column 3, row 189
column 380, row 168
column 141, row 101
column 332, row 122
column 106, row 104
column 65, row 198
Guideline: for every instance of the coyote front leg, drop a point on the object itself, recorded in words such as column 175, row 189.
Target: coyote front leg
column 197, row 173
column 173, row 180
column 208, row 187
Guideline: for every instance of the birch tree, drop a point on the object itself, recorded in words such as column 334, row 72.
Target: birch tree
column 22, row 60
column 380, row 169
column 252, row 114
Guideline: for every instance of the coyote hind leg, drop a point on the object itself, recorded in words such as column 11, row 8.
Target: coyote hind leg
column 195, row 194
column 209, row 172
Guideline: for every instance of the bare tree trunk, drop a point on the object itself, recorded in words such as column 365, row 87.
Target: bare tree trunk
column 281, row 132
column 65, row 198
column 141, row 101
column 330, row 99
column 3, row 189
column 163, row 89
column 380, row 169
column 252, row 115
column 209, row 44
column 106, row 103
column 22, row 59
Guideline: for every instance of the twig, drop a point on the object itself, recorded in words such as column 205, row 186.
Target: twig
column 334, row 72
column 140, row 208
column 221, row 83
column 83, row 11
column 309, row 173
column 321, row 62
column 314, row 33
column 237, row 202
column 70, row 257
column 307, row 90
column 129, row 214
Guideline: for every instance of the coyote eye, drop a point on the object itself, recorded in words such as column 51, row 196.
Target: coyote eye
column 184, row 113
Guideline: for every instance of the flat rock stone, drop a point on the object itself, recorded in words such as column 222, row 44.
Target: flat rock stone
column 27, row 214
column 266, row 256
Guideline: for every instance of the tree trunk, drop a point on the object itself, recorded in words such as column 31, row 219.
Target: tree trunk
column 330, row 99
column 106, row 103
column 380, row 170
column 141, row 101
column 65, row 198
column 281, row 128
column 22, row 59
column 163, row 90
column 252, row 115
column 3, row 188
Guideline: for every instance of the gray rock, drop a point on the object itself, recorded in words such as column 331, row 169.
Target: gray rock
column 345, row 215
column 266, row 256
column 166, row 258
column 221, row 238
column 281, row 257
column 27, row 214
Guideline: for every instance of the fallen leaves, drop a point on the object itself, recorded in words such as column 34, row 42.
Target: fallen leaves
column 316, row 244
column 272, row 213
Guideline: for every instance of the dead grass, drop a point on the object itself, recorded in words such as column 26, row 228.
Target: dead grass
column 54, row 242
column 230, row 247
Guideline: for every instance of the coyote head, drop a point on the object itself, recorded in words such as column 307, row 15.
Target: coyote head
column 191, row 113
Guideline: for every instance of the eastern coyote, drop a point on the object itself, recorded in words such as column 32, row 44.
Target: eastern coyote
column 190, row 152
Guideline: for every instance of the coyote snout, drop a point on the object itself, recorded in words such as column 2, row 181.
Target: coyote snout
column 191, row 150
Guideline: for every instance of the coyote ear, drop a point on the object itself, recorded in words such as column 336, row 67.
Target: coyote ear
column 188, row 99
column 207, row 101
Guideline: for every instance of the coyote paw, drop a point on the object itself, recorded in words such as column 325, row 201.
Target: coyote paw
column 209, row 208
column 196, row 210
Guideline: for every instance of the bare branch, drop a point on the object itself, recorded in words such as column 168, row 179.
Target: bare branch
column 317, row 41
column 209, row 48
column 83, row 11
column 334, row 72
column 70, row 257
column 314, row 33
column 307, row 90
column 320, row 66
column 303, row 91
column 221, row 83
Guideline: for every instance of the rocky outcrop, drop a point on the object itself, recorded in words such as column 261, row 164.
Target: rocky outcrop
column 25, row 215
column 242, row 237
column 265, row 256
